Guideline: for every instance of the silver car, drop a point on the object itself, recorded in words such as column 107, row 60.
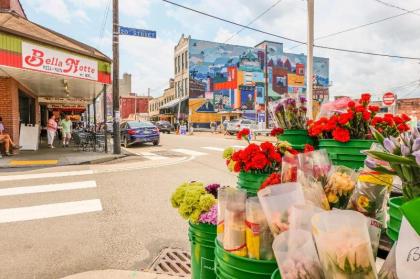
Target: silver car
column 236, row 125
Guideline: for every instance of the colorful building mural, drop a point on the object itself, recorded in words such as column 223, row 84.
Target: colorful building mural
column 230, row 77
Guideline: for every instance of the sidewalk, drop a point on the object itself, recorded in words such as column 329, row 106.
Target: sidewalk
column 259, row 138
column 120, row 274
column 45, row 157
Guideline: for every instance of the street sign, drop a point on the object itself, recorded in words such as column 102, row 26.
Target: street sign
column 137, row 32
column 388, row 98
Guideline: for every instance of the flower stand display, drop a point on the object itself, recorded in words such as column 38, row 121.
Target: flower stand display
column 251, row 182
column 202, row 238
column 231, row 266
column 297, row 138
column 276, row 274
column 346, row 153
column 395, row 217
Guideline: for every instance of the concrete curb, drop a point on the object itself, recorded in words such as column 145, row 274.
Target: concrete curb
column 120, row 274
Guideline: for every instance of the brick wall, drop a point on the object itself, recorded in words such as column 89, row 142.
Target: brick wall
column 9, row 106
column 409, row 106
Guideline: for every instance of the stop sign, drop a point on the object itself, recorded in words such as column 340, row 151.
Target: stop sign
column 388, row 98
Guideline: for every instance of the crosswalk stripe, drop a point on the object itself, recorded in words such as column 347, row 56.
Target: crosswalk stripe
column 47, row 188
column 189, row 152
column 44, row 175
column 238, row 146
column 152, row 156
column 213, row 148
column 49, row 210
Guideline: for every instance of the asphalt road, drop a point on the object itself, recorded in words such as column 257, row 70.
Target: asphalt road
column 110, row 216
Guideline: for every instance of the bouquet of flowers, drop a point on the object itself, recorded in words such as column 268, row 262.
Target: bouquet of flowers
column 296, row 255
column 403, row 155
column 290, row 113
column 343, row 244
column 316, row 164
column 391, row 125
column 192, row 200
column 340, row 186
column 351, row 124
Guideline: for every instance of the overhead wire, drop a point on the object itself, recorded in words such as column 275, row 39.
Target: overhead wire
column 104, row 22
column 358, row 27
column 254, row 20
column 396, row 7
column 291, row 39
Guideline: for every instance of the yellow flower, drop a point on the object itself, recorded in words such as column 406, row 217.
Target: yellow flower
column 332, row 198
column 363, row 201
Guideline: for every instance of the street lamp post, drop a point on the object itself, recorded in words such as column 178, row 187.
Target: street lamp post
column 115, row 77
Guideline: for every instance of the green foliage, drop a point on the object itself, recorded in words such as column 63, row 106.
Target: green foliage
column 192, row 200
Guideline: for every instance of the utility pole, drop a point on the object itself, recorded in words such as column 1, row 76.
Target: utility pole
column 310, row 59
column 148, row 103
column 116, row 76
column 105, row 119
column 266, row 85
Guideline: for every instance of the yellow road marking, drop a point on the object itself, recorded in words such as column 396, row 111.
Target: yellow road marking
column 33, row 162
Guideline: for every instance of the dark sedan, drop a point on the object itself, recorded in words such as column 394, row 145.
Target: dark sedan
column 165, row 126
column 133, row 132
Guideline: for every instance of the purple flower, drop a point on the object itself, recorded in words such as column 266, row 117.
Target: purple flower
column 209, row 217
column 212, row 189
column 279, row 107
column 291, row 102
column 416, row 145
column 417, row 155
column 389, row 145
column 302, row 99
column 370, row 163
column 405, row 150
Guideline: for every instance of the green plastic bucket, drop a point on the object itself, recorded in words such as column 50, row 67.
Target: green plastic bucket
column 230, row 266
column 346, row 153
column 202, row 238
column 395, row 217
column 276, row 274
column 251, row 182
column 297, row 138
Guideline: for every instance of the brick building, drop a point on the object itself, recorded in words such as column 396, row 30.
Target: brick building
column 134, row 105
column 44, row 72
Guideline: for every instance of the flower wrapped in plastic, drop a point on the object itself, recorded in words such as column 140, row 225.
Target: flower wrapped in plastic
column 289, row 113
column 296, row 255
column 316, row 164
column 313, row 192
column 289, row 168
column 343, row 244
column 300, row 216
column 276, row 202
column 389, row 269
column 340, row 185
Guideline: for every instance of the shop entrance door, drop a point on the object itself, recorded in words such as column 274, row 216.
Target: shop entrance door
column 26, row 109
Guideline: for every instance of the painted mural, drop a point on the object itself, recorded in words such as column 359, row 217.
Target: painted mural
column 230, row 77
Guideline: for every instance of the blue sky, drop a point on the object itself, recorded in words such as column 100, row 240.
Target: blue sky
column 151, row 61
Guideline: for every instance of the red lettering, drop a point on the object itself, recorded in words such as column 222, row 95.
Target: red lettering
column 36, row 59
column 73, row 65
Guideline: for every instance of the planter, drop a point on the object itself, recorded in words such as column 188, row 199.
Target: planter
column 346, row 153
column 251, row 182
column 202, row 238
column 230, row 266
column 297, row 138
column 395, row 217
column 276, row 275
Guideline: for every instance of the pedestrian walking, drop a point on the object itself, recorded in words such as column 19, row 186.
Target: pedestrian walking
column 51, row 131
column 66, row 127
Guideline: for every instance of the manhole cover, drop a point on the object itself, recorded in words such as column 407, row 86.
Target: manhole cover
column 172, row 261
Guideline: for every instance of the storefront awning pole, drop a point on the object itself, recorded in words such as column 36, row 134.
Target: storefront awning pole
column 88, row 116
column 105, row 120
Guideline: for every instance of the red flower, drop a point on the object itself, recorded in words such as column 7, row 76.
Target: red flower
column 360, row 108
column 398, row 120
column 389, row 118
column 267, row 147
column 276, row 131
column 351, row 104
column 259, row 161
column 366, row 115
column 373, row 108
column 365, row 98
column 345, row 118
column 308, row 148
column 275, row 156
column 244, row 133
column 405, row 117
column 273, row 179
column 237, row 167
column 403, row 128
column 292, row 151
column 376, row 120
column 341, row 134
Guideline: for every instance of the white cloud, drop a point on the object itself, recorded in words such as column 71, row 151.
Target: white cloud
column 56, row 9
column 81, row 16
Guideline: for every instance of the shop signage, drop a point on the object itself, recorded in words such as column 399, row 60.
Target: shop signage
column 137, row 32
column 388, row 98
column 44, row 59
column 56, row 100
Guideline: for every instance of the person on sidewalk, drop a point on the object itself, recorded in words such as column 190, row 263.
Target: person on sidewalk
column 51, row 131
column 6, row 140
column 66, row 126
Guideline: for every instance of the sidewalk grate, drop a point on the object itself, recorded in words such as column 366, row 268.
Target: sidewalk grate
column 172, row 261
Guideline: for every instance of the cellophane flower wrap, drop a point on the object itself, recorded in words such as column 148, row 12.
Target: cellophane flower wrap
column 300, row 216
column 223, row 195
column 403, row 155
column 316, row 164
column 343, row 244
column 290, row 113
column 276, row 201
column 296, row 255
column 389, row 268
column 340, row 185
column 192, row 200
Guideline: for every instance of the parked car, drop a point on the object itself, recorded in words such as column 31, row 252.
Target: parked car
column 165, row 126
column 236, row 125
column 133, row 132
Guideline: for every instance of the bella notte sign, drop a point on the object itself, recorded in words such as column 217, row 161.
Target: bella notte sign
column 43, row 59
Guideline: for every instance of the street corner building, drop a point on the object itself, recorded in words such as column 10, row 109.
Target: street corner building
column 216, row 81
column 44, row 72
